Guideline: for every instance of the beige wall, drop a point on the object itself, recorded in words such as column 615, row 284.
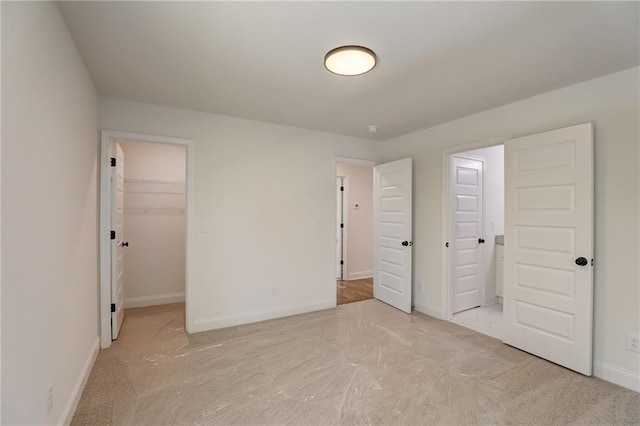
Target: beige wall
column 49, row 216
column 359, row 220
column 154, row 223
column 611, row 102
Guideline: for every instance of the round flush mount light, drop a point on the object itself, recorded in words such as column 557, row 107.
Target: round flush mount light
column 373, row 129
column 350, row 60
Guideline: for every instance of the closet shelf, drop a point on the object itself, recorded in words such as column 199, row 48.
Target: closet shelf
column 157, row 181
column 154, row 186
column 164, row 211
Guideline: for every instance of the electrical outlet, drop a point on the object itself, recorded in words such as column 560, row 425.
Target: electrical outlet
column 633, row 342
column 49, row 399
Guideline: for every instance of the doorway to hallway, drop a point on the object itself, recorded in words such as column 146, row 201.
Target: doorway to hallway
column 354, row 232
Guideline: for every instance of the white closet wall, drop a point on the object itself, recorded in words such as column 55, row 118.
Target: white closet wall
column 154, row 262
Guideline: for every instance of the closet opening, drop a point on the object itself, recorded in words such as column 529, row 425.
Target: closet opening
column 144, row 228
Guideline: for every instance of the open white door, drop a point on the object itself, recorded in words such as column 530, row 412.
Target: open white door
column 117, row 225
column 392, row 223
column 548, row 287
column 467, row 278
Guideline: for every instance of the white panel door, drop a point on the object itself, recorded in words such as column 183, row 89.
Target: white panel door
column 117, row 225
column 548, row 283
column 392, row 223
column 467, row 277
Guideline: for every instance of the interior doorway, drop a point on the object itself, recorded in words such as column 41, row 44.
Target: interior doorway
column 144, row 221
column 154, row 223
column 547, row 289
column 476, row 221
column 354, row 232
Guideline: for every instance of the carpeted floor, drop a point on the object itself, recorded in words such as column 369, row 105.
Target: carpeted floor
column 360, row 363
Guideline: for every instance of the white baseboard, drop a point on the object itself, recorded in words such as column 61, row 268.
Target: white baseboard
column 616, row 375
column 159, row 299
column 360, row 275
column 212, row 323
column 76, row 393
column 432, row 312
column 491, row 301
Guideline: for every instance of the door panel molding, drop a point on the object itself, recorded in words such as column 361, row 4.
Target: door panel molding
column 548, row 291
column 393, row 235
column 467, row 211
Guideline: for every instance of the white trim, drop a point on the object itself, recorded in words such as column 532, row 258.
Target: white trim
column 424, row 309
column 491, row 301
column 76, row 393
column 159, row 299
column 360, row 275
column 447, row 153
column 106, row 136
column 212, row 323
column 340, row 196
column 616, row 375
column 345, row 230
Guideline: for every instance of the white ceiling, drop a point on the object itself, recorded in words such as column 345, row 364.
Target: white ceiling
column 264, row 61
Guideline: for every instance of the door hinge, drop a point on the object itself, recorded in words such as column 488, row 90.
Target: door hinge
column 342, row 225
column 446, row 244
column 113, row 162
column 342, row 188
column 342, row 262
column 113, row 235
column 113, row 307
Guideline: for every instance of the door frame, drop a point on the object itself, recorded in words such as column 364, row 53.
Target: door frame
column 345, row 220
column 483, row 284
column 106, row 138
column 354, row 162
column 447, row 154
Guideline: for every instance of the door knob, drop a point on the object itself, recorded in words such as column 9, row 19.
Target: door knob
column 480, row 240
column 125, row 244
column 581, row 261
column 407, row 243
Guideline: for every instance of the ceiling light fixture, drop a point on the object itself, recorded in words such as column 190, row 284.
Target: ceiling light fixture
column 350, row 60
column 373, row 129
